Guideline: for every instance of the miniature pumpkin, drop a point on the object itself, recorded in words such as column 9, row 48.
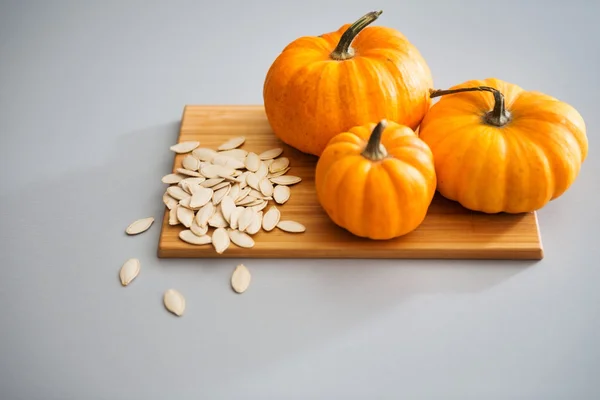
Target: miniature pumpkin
column 500, row 148
column 376, row 181
column 322, row 85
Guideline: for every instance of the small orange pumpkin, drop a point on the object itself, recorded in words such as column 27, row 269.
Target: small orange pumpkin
column 509, row 151
column 322, row 85
column 376, row 180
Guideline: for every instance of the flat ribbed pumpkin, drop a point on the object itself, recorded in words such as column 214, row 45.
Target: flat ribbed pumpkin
column 376, row 180
column 500, row 148
column 322, row 85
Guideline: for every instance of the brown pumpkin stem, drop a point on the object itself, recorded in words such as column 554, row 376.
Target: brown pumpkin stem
column 375, row 150
column 343, row 51
column 499, row 116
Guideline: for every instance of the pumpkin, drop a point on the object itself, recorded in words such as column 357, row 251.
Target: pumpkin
column 376, row 181
column 500, row 148
column 322, row 85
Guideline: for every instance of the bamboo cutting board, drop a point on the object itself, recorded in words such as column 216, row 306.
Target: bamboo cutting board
column 449, row 231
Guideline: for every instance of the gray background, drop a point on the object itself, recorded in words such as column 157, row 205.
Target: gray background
column 91, row 93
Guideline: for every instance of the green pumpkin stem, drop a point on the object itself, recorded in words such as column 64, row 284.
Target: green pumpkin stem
column 499, row 116
column 343, row 51
column 375, row 150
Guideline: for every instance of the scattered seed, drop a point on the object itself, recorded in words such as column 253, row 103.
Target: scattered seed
column 220, row 185
column 205, row 213
column 291, row 226
column 169, row 201
column 256, row 223
column 241, row 239
column 190, row 162
column 240, row 279
column 174, row 302
column 240, row 154
column 281, row 194
column 271, row 219
column 209, row 183
column 270, row 154
column 172, row 178
column 184, row 147
column 252, row 162
column 266, row 187
column 227, row 207
column 285, row 180
column 262, row 171
column 217, row 220
column 197, row 229
column 245, row 218
column 279, row 165
column 201, row 197
column 235, row 216
column 173, row 220
column 219, row 194
column 177, row 193
column 204, row 154
column 220, row 240
column 232, row 143
column 190, row 237
column 188, row 172
column 139, row 226
column 278, row 173
column 185, row 216
column 129, row 271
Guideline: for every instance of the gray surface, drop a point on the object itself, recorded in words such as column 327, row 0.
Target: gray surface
column 90, row 98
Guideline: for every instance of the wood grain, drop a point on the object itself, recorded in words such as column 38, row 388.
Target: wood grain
column 448, row 232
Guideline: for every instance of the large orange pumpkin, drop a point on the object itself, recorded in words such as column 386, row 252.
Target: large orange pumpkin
column 500, row 148
column 376, row 180
column 322, row 85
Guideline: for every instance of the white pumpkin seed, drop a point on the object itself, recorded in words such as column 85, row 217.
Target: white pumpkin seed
column 270, row 154
column 240, row 154
column 217, row 220
column 221, row 185
column 271, row 219
column 169, row 201
column 228, row 161
column 201, row 197
column 197, row 229
column 253, row 181
column 246, row 201
column 240, row 279
column 190, row 162
column 235, row 190
column 261, row 206
column 209, row 183
column 139, row 226
column 252, row 162
column 235, row 215
column 192, row 181
column 172, row 178
column 253, row 203
column 220, row 240
column 291, row 226
column 266, row 187
column 173, row 220
column 204, row 154
column 185, row 216
column 241, row 239
column 174, row 302
column 256, row 194
column 186, row 203
column 278, row 173
column 184, row 147
column 190, row 237
column 177, row 193
column 129, row 271
column 245, row 218
column 262, row 171
column 227, row 207
column 204, row 214
column 219, row 194
column 256, row 223
column 187, row 172
column 285, row 180
column 281, row 194
column 232, row 143
column 279, row 165
column 243, row 193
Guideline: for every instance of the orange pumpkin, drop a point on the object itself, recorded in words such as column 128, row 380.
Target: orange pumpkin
column 500, row 148
column 376, row 181
column 322, row 85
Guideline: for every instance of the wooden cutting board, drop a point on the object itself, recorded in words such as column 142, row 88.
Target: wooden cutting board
column 449, row 231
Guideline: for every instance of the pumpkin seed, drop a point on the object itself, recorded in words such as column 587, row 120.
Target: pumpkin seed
column 201, row 197
column 240, row 279
column 217, row 220
column 188, row 172
column 260, row 206
column 185, row 216
column 190, row 237
column 266, row 187
column 173, row 220
column 262, row 171
column 240, row 154
column 192, row 181
column 204, row 214
column 245, row 218
column 172, row 178
column 253, row 181
column 177, row 193
column 291, row 226
column 220, row 240
column 235, row 215
column 227, row 207
column 174, row 302
column 285, row 180
column 281, row 194
column 271, row 219
column 204, row 154
column 190, row 162
column 169, row 201
column 279, row 165
column 278, row 173
column 235, row 190
column 186, row 203
column 232, row 143
column 219, row 194
column 243, row 193
column 209, row 183
column 129, row 271
column 252, row 162
column 270, row 154
column 139, row 226
column 220, row 185
column 241, row 239
column 256, row 223
column 184, row 147
column 197, row 229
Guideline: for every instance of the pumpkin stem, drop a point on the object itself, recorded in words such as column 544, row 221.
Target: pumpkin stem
column 375, row 150
column 499, row 116
column 343, row 51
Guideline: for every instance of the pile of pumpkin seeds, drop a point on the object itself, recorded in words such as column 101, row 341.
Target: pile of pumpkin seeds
column 218, row 196
column 221, row 195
